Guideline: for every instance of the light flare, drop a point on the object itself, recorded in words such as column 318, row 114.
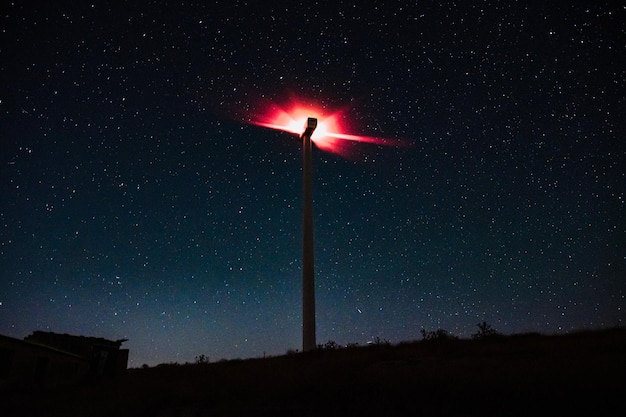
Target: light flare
column 330, row 131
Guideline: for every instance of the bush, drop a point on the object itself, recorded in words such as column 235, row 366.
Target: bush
column 202, row 359
column 485, row 331
column 330, row 345
column 378, row 341
column 439, row 334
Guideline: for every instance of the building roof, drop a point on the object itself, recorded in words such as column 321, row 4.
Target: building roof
column 23, row 344
column 80, row 345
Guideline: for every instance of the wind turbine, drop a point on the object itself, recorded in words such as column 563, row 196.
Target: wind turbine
column 328, row 137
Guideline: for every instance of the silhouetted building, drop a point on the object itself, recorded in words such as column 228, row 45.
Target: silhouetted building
column 105, row 356
column 48, row 359
column 25, row 364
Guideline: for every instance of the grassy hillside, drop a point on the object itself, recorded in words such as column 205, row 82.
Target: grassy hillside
column 579, row 374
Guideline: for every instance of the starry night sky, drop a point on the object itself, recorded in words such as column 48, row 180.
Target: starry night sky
column 137, row 201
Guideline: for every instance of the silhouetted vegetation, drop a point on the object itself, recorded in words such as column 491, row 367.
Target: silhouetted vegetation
column 378, row 341
column 439, row 334
column 485, row 331
column 330, row 345
column 517, row 375
column 202, row 359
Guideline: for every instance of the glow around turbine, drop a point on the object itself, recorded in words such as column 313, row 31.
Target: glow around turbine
column 331, row 133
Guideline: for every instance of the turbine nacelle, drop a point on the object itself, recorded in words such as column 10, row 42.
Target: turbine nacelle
column 309, row 127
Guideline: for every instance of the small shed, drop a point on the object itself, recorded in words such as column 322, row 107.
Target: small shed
column 23, row 364
column 46, row 359
column 106, row 358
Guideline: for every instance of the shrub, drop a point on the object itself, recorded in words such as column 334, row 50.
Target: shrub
column 378, row 341
column 485, row 331
column 439, row 334
column 330, row 345
column 202, row 359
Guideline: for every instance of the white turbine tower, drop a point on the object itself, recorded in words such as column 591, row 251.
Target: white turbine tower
column 308, row 268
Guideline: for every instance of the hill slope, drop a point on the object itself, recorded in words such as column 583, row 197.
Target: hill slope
column 580, row 374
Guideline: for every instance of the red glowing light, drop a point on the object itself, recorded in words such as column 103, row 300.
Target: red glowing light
column 330, row 131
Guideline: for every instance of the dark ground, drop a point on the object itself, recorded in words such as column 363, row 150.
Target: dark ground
column 521, row 375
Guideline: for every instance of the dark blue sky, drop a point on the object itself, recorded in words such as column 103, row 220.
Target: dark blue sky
column 137, row 202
